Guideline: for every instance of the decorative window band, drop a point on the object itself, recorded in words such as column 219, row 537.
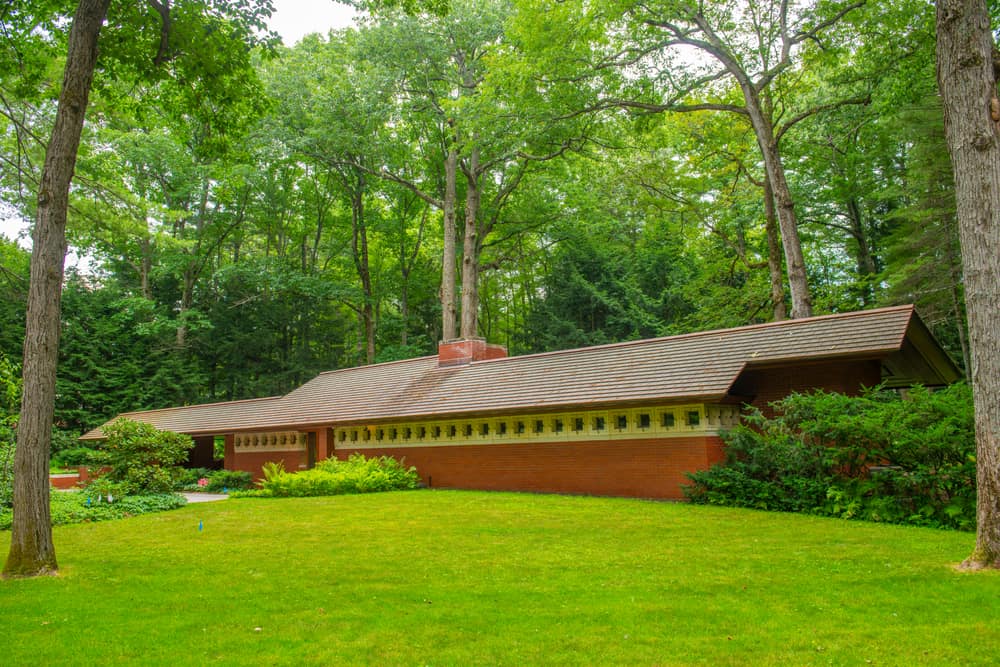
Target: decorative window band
column 282, row 441
column 593, row 425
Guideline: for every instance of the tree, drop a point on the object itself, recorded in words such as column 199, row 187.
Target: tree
column 967, row 78
column 31, row 549
column 142, row 41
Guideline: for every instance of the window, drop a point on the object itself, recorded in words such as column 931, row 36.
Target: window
column 366, row 434
column 502, row 428
column 621, row 422
column 519, row 427
column 599, row 424
column 342, row 435
column 468, row 430
column 354, row 435
column 393, row 433
column 693, row 418
column 452, row 430
column 557, row 426
column 422, row 432
column 539, row 426
column 380, row 434
column 667, row 420
column 436, row 432
column 578, row 424
column 644, row 420
column 407, row 433
column 484, row 428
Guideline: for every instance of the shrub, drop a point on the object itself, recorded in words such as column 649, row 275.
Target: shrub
column 6, row 467
column 62, row 441
column 10, row 400
column 228, row 480
column 879, row 456
column 79, row 456
column 334, row 477
column 68, row 508
column 213, row 481
column 142, row 458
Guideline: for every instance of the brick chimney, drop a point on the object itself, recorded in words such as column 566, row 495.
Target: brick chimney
column 462, row 351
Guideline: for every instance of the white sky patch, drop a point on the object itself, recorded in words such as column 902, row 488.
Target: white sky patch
column 294, row 19
column 12, row 226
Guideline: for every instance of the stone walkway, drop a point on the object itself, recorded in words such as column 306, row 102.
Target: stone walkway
column 204, row 497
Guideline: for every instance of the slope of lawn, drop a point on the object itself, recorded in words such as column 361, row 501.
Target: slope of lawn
column 466, row 578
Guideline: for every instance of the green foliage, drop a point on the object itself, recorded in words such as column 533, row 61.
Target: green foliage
column 878, row 457
column 333, row 477
column 211, row 481
column 142, row 458
column 78, row 456
column 69, row 508
column 10, row 398
column 228, row 480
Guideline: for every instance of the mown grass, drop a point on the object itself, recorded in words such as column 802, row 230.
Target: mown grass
column 468, row 578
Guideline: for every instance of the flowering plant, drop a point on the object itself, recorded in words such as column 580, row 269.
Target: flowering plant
column 203, row 482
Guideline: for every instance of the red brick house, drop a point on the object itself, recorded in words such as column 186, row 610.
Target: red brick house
column 627, row 419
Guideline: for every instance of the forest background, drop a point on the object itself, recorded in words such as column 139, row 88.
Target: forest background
column 605, row 182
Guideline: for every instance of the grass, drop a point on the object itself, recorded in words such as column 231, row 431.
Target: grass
column 469, row 578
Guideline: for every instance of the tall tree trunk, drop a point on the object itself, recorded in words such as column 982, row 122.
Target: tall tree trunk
column 470, row 251
column 778, row 309
column 359, row 245
column 448, row 310
column 31, row 549
column 971, row 116
column 798, row 285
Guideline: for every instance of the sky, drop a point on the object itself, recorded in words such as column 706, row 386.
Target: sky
column 292, row 19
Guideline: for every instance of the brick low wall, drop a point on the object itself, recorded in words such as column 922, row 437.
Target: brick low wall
column 253, row 462
column 641, row 468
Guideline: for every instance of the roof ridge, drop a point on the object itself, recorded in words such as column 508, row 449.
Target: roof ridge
column 382, row 363
column 698, row 334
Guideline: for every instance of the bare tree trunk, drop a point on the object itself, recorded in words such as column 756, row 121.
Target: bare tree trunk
column 971, row 115
column 32, row 552
column 448, row 310
column 779, row 310
column 470, row 251
column 865, row 259
column 359, row 246
column 798, row 285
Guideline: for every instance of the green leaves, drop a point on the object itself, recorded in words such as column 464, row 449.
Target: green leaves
column 141, row 458
column 878, row 457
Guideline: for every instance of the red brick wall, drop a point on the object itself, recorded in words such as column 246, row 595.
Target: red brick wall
column 646, row 468
column 253, row 462
column 771, row 384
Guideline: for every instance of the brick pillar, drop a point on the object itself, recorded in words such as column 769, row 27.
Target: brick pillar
column 324, row 441
column 230, row 460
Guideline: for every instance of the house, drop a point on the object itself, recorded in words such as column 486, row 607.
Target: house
column 627, row 419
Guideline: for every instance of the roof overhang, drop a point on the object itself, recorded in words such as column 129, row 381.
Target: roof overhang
column 919, row 360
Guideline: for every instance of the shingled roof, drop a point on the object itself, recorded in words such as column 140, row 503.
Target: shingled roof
column 699, row 366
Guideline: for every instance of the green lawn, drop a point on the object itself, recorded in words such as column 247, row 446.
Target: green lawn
column 463, row 578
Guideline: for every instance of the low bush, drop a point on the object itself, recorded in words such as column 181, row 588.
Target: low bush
column 70, row 508
column 335, row 477
column 880, row 456
column 143, row 458
column 212, row 481
column 78, row 456
column 228, row 480
column 10, row 399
